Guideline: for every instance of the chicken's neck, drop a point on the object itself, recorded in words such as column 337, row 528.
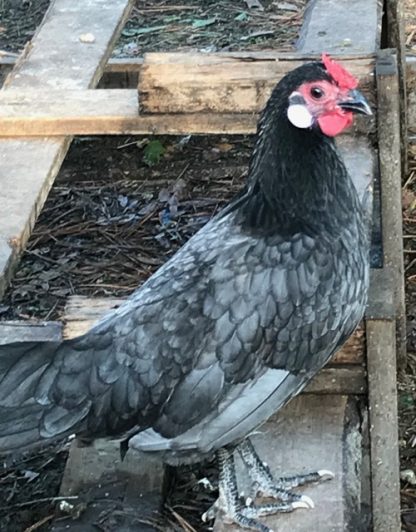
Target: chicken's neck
column 296, row 182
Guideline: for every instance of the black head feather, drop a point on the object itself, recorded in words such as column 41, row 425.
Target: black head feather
column 294, row 173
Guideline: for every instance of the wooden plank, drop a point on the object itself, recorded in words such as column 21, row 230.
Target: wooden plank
column 396, row 39
column 22, row 331
column 222, row 83
column 382, row 396
column 110, row 112
column 311, row 433
column 411, row 95
column 339, row 380
column 341, row 26
column 388, row 112
column 119, row 495
column 28, row 167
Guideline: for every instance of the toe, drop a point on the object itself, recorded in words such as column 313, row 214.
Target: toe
column 325, row 474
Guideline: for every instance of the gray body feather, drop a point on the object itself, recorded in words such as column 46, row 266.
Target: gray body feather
column 226, row 332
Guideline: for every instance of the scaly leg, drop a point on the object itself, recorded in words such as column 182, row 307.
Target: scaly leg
column 229, row 500
column 265, row 484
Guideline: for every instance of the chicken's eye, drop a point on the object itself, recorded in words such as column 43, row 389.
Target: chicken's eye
column 317, row 92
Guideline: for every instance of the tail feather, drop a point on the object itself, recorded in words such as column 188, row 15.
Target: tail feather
column 19, row 428
column 21, row 367
column 27, row 416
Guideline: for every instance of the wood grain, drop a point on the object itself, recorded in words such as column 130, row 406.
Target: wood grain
column 238, row 82
column 384, row 433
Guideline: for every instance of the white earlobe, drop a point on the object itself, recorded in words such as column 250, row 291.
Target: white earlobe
column 299, row 116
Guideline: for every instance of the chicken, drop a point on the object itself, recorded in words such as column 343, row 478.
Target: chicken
column 234, row 325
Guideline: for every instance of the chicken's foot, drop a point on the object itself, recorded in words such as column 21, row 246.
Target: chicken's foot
column 263, row 482
column 234, row 510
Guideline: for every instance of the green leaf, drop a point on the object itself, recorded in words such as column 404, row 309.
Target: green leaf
column 242, row 16
column 153, row 152
column 406, row 400
column 201, row 23
column 171, row 18
column 140, row 31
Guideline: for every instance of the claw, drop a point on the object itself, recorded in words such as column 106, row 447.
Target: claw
column 211, row 513
column 325, row 474
column 305, row 501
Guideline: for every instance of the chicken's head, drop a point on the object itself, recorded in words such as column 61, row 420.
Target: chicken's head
column 328, row 101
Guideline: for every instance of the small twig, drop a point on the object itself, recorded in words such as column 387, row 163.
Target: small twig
column 105, row 285
column 38, row 501
column 161, row 9
column 38, row 524
column 409, row 179
column 186, row 526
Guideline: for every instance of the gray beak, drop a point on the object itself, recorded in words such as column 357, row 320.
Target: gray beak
column 356, row 103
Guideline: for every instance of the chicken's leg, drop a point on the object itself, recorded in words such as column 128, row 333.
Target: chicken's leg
column 229, row 501
column 265, row 484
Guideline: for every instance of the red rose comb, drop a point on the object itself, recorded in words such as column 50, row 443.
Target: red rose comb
column 344, row 79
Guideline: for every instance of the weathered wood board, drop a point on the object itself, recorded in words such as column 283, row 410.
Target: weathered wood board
column 411, row 96
column 383, row 422
column 341, row 26
column 114, row 494
column 28, row 167
column 225, row 82
column 22, row 331
column 178, row 93
column 312, row 433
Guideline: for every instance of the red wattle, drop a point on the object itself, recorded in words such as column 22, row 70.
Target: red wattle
column 333, row 124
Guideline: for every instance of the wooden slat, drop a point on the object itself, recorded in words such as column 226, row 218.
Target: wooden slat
column 411, row 95
column 109, row 112
column 341, row 26
column 334, row 379
column 222, row 83
column 20, row 331
column 310, row 433
column 382, row 397
column 395, row 38
column 391, row 192
column 119, row 495
column 56, row 58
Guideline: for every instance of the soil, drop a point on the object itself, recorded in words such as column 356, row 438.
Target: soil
column 163, row 25
column 211, row 26
column 18, row 22
column 110, row 222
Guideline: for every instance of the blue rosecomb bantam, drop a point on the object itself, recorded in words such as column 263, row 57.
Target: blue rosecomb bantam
column 234, row 325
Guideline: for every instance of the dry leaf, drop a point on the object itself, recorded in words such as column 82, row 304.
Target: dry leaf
column 408, row 200
column 254, row 4
column 286, row 6
column 224, row 147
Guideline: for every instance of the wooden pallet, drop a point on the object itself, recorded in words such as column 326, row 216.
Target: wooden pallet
column 348, row 416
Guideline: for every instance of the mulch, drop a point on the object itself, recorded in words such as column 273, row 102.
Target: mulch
column 407, row 378
column 111, row 219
